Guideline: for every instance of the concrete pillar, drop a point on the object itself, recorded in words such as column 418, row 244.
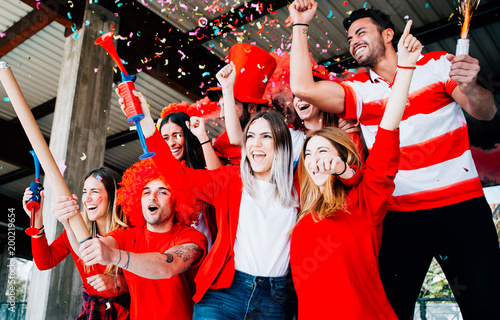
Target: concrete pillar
column 78, row 139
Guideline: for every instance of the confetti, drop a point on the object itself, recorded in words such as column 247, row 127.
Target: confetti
column 330, row 14
column 83, row 157
column 99, row 178
column 62, row 167
column 265, row 78
column 96, row 70
column 461, row 120
column 204, row 74
column 6, row 99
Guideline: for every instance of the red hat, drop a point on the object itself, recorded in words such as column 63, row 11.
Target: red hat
column 254, row 67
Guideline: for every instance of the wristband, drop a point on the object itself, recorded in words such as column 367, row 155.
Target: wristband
column 205, row 142
column 406, row 67
column 339, row 174
column 300, row 24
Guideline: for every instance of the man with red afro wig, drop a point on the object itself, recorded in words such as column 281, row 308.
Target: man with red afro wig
column 156, row 252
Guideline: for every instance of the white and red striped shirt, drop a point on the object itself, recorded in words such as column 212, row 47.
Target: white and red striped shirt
column 436, row 167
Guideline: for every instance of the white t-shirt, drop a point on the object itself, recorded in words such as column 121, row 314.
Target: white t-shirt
column 262, row 246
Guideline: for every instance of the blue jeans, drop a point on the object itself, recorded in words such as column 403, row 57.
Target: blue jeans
column 249, row 297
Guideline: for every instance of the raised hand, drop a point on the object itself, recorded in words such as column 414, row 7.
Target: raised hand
column 302, row 11
column 197, row 127
column 409, row 48
column 226, row 76
column 64, row 208
column 464, row 70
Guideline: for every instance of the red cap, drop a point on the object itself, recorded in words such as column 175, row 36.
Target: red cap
column 254, row 67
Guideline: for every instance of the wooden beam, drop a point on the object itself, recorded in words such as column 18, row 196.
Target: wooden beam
column 67, row 13
column 40, row 111
column 23, row 29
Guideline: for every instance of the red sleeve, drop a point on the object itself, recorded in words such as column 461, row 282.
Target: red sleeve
column 48, row 256
column 191, row 235
column 202, row 184
column 351, row 105
column 378, row 177
column 120, row 235
column 355, row 179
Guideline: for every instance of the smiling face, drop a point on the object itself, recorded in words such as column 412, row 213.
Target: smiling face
column 157, row 206
column 317, row 148
column 95, row 199
column 366, row 42
column 260, row 148
column 174, row 136
column 305, row 110
column 238, row 104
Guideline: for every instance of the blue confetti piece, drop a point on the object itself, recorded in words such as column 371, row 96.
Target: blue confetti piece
column 138, row 33
column 119, row 4
column 330, row 14
column 265, row 79
column 87, row 22
column 427, row 6
column 364, row 6
column 6, row 99
column 443, row 258
column 216, row 31
column 75, row 36
column 69, row 15
column 241, row 16
column 205, row 74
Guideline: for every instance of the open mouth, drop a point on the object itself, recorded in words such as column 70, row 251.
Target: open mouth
column 175, row 151
column 258, row 156
column 303, row 107
column 359, row 49
column 152, row 208
column 91, row 208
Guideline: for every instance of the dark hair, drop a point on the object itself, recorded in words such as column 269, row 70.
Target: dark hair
column 193, row 155
column 380, row 18
column 328, row 119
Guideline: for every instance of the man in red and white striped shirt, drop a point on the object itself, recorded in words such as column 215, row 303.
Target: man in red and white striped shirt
column 438, row 208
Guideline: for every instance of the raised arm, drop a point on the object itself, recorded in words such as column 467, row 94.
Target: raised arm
column 152, row 265
column 409, row 49
column 226, row 77
column 197, row 127
column 476, row 100
column 326, row 95
column 64, row 208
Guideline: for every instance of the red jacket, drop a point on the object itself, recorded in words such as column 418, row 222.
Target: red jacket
column 222, row 188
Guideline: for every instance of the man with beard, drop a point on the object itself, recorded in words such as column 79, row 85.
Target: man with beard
column 156, row 252
column 437, row 187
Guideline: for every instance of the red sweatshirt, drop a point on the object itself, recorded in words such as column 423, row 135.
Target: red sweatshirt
column 335, row 261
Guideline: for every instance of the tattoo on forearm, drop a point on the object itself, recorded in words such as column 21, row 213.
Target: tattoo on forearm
column 128, row 260
column 170, row 257
column 187, row 252
column 304, row 31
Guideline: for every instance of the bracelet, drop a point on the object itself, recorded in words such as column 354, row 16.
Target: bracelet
column 406, row 67
column 205, row 142
column 300, row 24
column 339, row 174
column 114, row 276
column 41, row 233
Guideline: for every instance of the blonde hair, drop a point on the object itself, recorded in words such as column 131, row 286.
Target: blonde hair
column 115, row 219
column 326, row 204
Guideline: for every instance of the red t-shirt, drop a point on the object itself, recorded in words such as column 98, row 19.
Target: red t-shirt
column 158, row 298
column 334, row 261
column 48, row 256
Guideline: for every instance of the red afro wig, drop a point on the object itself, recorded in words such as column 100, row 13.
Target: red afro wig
column 130, row 193
column 202, row 108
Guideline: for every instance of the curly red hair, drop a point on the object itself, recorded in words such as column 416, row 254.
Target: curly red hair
column 129, row 195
